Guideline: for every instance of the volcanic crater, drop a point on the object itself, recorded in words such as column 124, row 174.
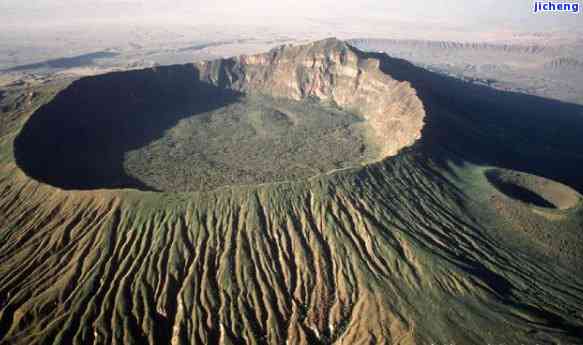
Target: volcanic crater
column 534, row 190
column 291, row 113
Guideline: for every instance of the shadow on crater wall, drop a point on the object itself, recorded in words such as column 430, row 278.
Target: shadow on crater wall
column 78, row 140
column 3, row 107
column 518, row 192
column 482, row 125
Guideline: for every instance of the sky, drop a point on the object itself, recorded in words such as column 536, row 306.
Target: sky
column 479, row 14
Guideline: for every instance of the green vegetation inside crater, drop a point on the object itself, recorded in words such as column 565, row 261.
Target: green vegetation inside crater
column 256, row 139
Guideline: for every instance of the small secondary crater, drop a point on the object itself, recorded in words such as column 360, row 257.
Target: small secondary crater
column 534, row 190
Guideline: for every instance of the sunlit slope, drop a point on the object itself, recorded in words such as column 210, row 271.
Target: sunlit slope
column 409, row 250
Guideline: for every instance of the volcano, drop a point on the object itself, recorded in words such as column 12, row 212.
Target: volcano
column 313, row 194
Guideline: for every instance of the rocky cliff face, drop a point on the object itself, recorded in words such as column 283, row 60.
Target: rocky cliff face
column 330, row 71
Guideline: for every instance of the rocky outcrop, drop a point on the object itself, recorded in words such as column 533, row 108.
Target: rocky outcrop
column 329, row 71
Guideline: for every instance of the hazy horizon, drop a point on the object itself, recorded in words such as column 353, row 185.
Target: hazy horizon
column 474, row 15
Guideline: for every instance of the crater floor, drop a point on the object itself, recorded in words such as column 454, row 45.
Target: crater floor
column 256, row 139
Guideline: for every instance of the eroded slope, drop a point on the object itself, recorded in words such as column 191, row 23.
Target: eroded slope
column 408, row 250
